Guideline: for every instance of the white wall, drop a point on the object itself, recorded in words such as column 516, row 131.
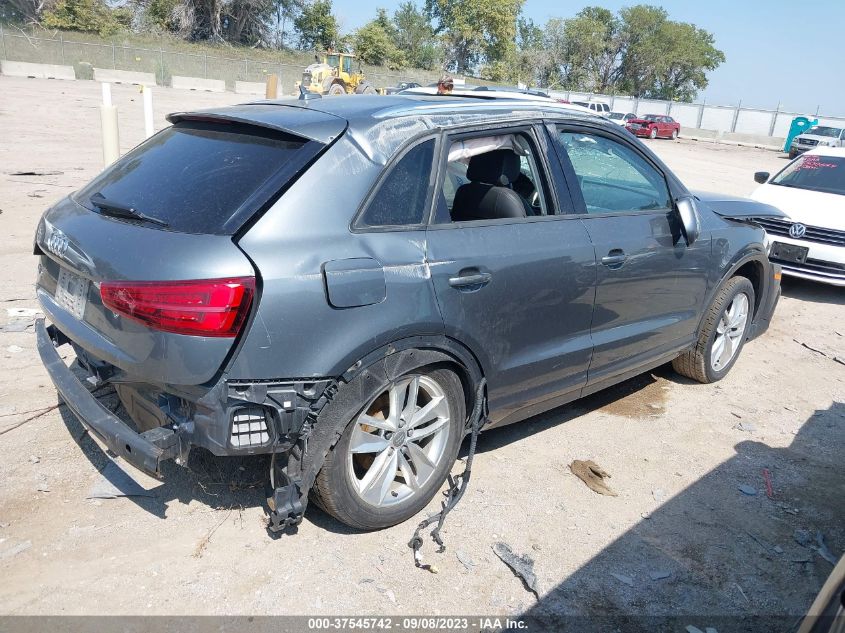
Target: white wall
column 647, row 106
column 754, row 122
column 717, row 118
column 713, row 117
column 686, row 114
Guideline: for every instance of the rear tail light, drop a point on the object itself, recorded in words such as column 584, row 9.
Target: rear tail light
column 207, row 307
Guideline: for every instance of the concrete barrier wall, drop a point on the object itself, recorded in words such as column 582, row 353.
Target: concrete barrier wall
column 109, row 75
column 38, row 71
column 250, row 88
column 197, row 83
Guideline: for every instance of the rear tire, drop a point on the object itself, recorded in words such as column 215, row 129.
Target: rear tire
column 373, row 478
column 723, row 334
column 674, row 135
column 366, row 88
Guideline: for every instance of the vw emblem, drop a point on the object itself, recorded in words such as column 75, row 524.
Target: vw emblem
column 797, row 231
column 57, row 243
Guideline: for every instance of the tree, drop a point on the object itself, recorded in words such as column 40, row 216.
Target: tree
column 317, row 26
column 30, row 10
column 86, row 15
column 285, row 13
column 414, row 36
column 526, row 62
column 638, row 51
column 474, row 31
column 375, row 43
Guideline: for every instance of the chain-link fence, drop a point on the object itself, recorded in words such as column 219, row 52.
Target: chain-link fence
column 84, row 56
column 165, row 63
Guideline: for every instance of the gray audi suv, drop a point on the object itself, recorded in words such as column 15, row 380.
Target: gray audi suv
column 331, row 280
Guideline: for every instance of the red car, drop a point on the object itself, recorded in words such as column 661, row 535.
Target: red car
column 654, row 125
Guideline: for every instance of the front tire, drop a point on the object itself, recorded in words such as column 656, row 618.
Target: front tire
column 395, row 454
column 336, row 89
column 723, row 334
column 652, row 133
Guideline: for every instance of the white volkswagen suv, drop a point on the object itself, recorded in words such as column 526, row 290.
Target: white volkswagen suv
column 810, row 243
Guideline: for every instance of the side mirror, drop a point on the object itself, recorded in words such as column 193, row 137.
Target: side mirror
column 688, row 212
column 761, row 176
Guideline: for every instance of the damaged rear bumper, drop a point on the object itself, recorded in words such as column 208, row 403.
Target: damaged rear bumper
column 228, row 418
column 145, row 453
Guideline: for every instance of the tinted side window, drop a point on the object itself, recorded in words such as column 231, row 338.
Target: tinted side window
column 613, row 177
column 401, row 197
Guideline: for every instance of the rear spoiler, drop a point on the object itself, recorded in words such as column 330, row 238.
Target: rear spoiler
column 301, row 122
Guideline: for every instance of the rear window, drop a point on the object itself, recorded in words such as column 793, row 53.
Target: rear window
column 815, row 172
column 202, row 177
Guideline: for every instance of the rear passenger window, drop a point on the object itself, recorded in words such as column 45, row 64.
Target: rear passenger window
column 401, row 197
column 613, row 177
column 492, row 178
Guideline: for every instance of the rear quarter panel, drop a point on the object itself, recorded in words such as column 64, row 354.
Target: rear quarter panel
column 297, row 332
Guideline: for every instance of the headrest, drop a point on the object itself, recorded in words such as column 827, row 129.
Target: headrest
column 499, row 167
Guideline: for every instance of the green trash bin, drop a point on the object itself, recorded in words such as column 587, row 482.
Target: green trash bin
column 800, row 124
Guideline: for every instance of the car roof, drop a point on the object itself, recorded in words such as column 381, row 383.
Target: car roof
column 362, row 111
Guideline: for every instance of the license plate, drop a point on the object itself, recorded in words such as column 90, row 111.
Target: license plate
column 789, row 252
column 72, row 292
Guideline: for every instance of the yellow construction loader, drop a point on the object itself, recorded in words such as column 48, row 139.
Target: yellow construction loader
column 332, row 74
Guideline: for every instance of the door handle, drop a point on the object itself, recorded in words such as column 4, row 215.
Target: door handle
column 470, row 279
column 615, row 258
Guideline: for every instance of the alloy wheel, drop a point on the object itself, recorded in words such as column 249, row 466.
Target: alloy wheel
column 398, row 441
column 729, row 332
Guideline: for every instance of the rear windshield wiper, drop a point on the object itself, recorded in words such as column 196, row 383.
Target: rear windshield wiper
column 121, row 210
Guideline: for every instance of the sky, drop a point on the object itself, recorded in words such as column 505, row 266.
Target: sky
column 777, row 51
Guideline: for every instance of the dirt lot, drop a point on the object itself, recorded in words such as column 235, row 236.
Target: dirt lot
column 677, row 452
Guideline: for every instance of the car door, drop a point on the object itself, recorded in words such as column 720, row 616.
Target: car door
column 518, row 291
column 650, row 284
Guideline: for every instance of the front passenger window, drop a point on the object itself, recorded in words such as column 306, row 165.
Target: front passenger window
column 613, row 177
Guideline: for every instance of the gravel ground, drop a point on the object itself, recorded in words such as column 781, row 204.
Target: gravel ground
column 678, row 454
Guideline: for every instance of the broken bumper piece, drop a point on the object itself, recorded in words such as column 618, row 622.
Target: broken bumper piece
column 146, row 451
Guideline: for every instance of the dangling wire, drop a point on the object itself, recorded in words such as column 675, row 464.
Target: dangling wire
column 457, row 487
